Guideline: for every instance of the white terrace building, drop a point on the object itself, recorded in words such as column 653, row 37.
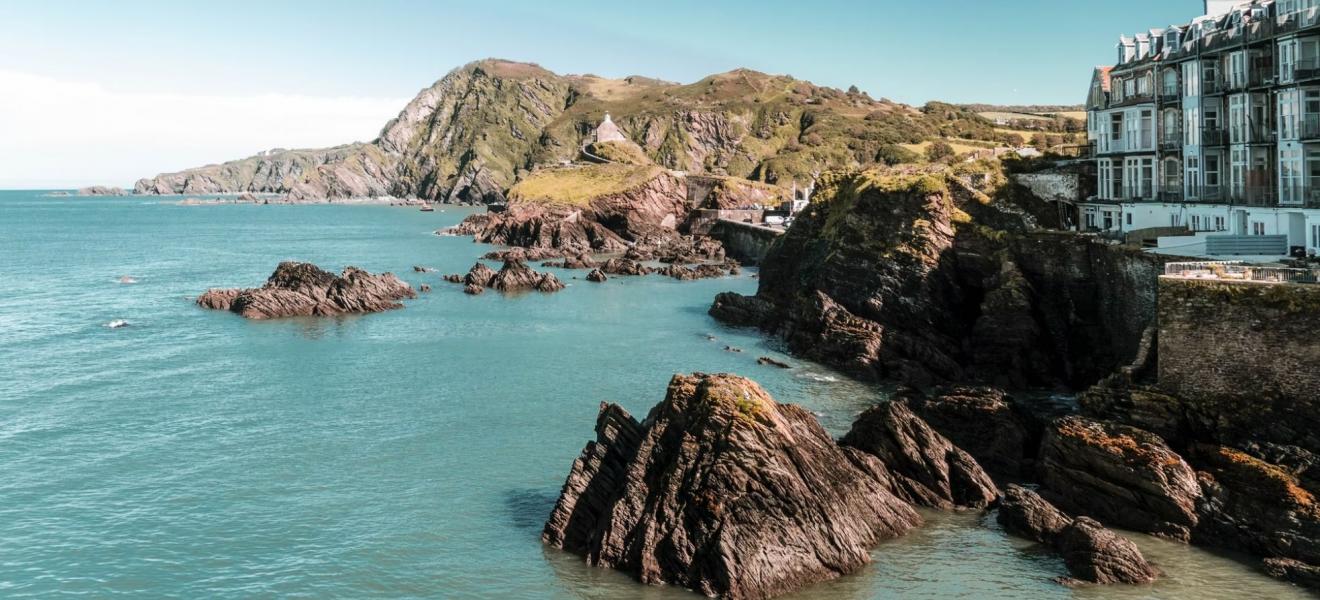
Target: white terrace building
column 1213, row 126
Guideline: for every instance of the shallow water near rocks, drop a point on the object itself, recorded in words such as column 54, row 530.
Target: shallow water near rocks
column 410, row 453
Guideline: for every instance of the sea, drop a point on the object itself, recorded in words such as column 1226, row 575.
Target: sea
column 409, row 454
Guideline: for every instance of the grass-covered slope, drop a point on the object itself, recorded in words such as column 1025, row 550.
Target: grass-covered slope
column 488, row 125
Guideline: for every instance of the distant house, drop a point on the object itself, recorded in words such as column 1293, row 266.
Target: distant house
column 607, row 131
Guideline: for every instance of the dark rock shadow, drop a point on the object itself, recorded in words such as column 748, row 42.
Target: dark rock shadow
column 529, row 508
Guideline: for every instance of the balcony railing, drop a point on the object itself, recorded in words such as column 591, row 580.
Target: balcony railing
column 1171, row 141
column 1212, row 86
column 1170, row 193
column 1170, row 96
column 1214, row 136
column 1237, row 195
column 1306, row 69
column 1253, row 133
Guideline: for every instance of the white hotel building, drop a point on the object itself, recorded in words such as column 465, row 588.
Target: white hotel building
column 1213, row 126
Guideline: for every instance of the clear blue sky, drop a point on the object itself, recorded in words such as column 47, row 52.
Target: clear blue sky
column 1001, row 51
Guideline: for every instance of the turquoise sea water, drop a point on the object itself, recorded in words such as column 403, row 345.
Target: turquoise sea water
column 414, row 453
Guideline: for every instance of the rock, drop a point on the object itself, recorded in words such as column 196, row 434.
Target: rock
column 473, row 289
column 479, row 275
column 549, row 283
column 927, row 469
column 455, row 278
column 766, row 360
column 1024, row 513
column 623, row 266
column 1121, row 475
column 420, row 269
column 524, row 254
column 701, row 271
column 102, row 190
column 1098, row 555
column 302, row 289
column 983, row 422
column 424, row 288
column 1092, row 553
column 744, row 311
column 581, row 261
column 1296, row 571
column 1256, row 506
column 732, row 349
column 725, row 492
column 597, row 276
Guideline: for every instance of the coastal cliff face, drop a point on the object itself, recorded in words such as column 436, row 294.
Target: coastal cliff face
column 487, row 125
column 917, row 278
column 726, row 492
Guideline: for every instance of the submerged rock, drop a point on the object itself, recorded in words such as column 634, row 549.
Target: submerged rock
column 1092, row 553
column 927, row 469
column 766, row 360
column 303, row 289
column 723, row 491
column 1122, row 475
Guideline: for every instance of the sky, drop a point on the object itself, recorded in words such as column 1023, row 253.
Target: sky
column 100, row 92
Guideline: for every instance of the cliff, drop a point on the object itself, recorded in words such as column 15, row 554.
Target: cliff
column 487, row 125
column 913, row 276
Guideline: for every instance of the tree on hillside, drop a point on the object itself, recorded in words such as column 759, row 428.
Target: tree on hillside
column 893, row 154
column 939, row 150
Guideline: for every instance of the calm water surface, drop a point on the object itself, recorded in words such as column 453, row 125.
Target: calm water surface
column 413, row 453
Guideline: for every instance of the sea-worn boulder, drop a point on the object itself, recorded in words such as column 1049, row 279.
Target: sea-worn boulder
column 303, row 289
column 984, row 422
column 700, row 271
column 927, row 468
column 1092, row 553
column 726, row 492
column 1258, row 507
column 514, row 276
column 578, row 261
column 1121, row 475
column 479, row 274
column 624, row 266
column 597, row 276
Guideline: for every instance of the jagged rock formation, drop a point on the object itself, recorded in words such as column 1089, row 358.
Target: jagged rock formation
column 514, row 276
column 601, row 208
column 985, row 423
column 484, row 126
column 624, row 266
column 927, row 469
column 1092, row 553
column 1121, row 475
column 912, row 276
column 102, row 190
column 303, row 289
column 723, row 491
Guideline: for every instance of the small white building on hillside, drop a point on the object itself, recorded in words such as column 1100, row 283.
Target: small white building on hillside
column 607, row 131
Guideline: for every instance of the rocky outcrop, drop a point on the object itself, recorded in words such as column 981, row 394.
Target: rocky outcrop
column 723, row 491
column 597, row 276
column 514, row 276
column 927, row 469
column 702, row 271
column 1121, row 475
column 580, row 261
column 601, row 208
column 985, row 423
column 908, row 276
column 1263, row 508
column 303, row 289
column 624, row 266
column 1092, row 553
column 102, row 190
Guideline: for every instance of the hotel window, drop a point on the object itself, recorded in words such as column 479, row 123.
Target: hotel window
column 1192, row 181
column 1288, row 109
column 1109, row 220
column 1287, row 60
column 1175, row 220
column 1237, row 69
column 1129, row 219
column 1192, row 126
column 1147, row 178
column 1290, row 175
column 1170, row 85
column 1210, row 75
column 1257, row 228
column 1212, row 182
column 1237, row 171
column 1191, row 79
column 1090, row 219
column 1237, row 119
column 1116, row 131
column 1196, row 222
column 1219, row 224
column 1315, row 236
column 1147, row 130
column 1143, row 84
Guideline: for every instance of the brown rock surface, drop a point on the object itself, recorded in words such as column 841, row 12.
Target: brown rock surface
column 303, row 289
column 981, row 421
column 1122, row 475
column 725, row 492
column 927, row 469
column 1092, row 553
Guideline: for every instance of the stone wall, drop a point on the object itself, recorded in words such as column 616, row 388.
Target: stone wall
column 745, row 242
column 1239, row 340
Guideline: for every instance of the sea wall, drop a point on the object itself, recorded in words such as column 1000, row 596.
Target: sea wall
column 1242, row 341
column 745, row 242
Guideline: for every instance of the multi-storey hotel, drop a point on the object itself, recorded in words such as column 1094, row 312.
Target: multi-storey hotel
column 1213, row 126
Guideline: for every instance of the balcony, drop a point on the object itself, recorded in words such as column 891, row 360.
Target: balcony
column 1210, row 87
column 1254, row 133
column 1310, row 127
column 1214, row 136
column 1169, row 96
column 1306, row 69
column 1171, row 141
column 1170, row 193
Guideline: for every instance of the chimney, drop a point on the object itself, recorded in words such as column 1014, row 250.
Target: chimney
column 1214, row 8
